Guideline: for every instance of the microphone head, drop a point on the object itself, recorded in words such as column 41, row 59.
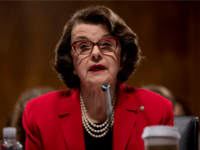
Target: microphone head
column 104, row 86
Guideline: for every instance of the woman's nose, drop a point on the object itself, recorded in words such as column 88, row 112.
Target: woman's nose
column 96, row 53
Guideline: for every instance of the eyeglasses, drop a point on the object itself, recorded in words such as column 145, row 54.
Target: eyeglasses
column 105, row 45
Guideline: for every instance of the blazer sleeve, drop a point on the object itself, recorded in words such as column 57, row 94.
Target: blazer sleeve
column 33, row 140
column 168, row 116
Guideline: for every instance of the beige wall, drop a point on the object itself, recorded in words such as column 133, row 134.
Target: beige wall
column 168, row 32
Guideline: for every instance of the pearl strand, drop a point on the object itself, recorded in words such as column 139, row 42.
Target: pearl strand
column 84, row 111
column 89, row 125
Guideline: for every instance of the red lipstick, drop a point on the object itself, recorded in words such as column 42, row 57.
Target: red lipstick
column 97, row 68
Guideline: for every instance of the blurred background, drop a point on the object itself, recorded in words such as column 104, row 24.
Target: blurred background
column 168, row 36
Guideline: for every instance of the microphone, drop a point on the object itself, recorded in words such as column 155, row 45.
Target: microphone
column 106, row 88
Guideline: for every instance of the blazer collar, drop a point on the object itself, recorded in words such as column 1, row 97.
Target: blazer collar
column 70, row 100
column 124, row 98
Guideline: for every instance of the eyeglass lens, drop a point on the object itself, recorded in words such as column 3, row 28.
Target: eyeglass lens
column 106, row 46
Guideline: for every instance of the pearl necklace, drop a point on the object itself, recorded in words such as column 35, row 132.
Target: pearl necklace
column 94, row 130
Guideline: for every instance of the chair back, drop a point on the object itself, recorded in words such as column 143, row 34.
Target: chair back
column 188, row 127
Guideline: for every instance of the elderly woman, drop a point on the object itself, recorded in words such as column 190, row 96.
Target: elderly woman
column 96, row 47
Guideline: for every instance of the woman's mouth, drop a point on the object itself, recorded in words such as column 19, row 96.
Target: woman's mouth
column 97, row 68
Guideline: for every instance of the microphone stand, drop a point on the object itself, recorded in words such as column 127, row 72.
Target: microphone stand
column 106, row 88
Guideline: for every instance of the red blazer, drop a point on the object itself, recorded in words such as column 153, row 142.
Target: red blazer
column 53, row 121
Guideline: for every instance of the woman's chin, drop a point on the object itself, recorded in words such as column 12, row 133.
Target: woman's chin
column 97, row 83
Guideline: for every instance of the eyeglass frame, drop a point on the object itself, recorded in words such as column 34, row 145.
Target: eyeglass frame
column 74, row 44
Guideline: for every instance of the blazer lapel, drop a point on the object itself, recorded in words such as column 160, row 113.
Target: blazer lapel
column 124, row 118
column 71, row 121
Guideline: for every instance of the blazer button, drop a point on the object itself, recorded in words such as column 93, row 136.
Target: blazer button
column 141, row 108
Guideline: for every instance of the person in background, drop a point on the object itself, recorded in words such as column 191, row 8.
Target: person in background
column 96, row 47
column 15, row 119
column 199, row 141
column 179, row 109
column 163, row 91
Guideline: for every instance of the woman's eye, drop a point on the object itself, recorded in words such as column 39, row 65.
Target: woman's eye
column 107, row 44
column 84, row 46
